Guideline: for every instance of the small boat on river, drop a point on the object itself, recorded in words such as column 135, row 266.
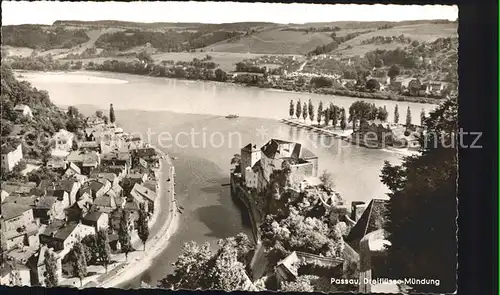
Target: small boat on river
column 232, row 116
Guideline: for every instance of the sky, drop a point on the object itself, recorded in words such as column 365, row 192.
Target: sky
column 45, row 12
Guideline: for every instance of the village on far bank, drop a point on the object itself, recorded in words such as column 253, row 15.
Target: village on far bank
column 91, row 205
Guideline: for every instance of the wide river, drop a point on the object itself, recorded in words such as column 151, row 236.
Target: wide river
column 186, row 119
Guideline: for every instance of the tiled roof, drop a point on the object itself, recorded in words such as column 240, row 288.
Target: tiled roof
column 11, row 210
column 271, row 149
column 20, row 200
column 66, row 185
column 7, row 148
column 371, row 220
column 64, row 232
column 46, row 202
column 93, row 216
column 307, row 154
column 143, row 191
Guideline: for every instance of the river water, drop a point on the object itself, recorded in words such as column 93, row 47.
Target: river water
column 186, row 119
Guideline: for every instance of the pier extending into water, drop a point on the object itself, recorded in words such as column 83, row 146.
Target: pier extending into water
column 314, row 128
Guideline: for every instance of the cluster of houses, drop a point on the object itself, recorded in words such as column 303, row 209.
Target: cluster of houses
column 364, row 235
column 108, row 172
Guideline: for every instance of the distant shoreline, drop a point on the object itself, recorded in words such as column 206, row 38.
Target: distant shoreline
column 319, row 91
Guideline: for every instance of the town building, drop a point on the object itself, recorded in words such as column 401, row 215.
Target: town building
column 300, row 263
column 18, row 226
column 86, row 161
column 61, row 236
column 257, row 165
column 57, row 163
column 148, row 196
column 36, row 263
column 63, row 143
column 96, row 219
column 14, row 274
column 11, row 156
column 71, row 187
column 23, row 110
column 95, row 188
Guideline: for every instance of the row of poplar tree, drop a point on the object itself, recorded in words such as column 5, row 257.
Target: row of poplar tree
column 335, row 114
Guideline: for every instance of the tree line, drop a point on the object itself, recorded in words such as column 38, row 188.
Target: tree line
column 169, row 41
column 358, row 111
column 36, row 37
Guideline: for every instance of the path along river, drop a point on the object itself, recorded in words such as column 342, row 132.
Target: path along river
column 186, row 119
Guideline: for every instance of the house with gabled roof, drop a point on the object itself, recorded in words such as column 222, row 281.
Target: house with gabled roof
column 144, row 195
column 257, row 165
column 95, row 187
column 301, row 263
column 69, row 186
column 63, row 142
column 62, row 235
column 11, row 156
column 105, row 203
column 80, row 208
column 372, row 219
column 18, row 226
column 23, row 110
column 36, row 263
column 97, row 219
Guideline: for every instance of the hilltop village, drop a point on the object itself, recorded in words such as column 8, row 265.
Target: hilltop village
column 94, row 199
column 302, row 228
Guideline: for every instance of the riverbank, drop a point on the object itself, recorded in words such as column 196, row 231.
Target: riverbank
column 157, row 244
column 287, row 88
column 346, row 135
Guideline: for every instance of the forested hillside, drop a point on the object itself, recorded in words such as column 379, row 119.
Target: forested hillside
column 47, row 118
column 42, row 37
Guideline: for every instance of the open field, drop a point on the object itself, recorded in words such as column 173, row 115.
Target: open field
column 420, row 32
column 18, row 51
column 226, row 60
column 275, row 42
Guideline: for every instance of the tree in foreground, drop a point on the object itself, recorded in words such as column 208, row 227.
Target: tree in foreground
column 124, row 234
column 51, row 276
column 393, row 72
column 422, row 117
column 91, row 249
column 142, row 225
column 343, row 123
column 302, row 284
column 382, row 114
column 326, row 180
column 408, row 117
column 422, row 211
column 79, row 262
column 199, row 268
column 304, row 111
column 111, row 114
column 396, row 114
column 103, row 248
column 292, row 108
column 334, row 114
column 320, row 112
column 310, row 109
column 15, row 276
column 298, row 109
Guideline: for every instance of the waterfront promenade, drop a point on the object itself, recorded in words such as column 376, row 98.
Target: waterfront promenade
column 163, row 225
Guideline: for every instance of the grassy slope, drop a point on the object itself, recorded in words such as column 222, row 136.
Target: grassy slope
column 274, row 41
column 420, row 32
column 271, row 40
